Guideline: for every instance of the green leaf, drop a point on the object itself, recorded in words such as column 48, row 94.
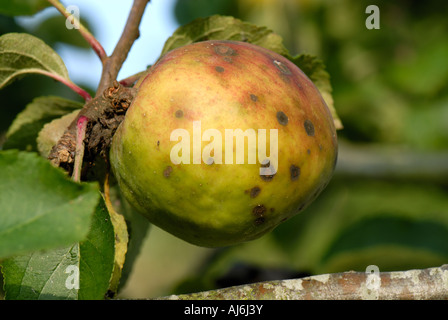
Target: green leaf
column 26, row 126
column 79, row 271
column 97, row 257
column 224, row 28
column 137, row 229
column 22, row 7
column 228, row 28
column 41, row 275
column 22, row 53
column 121, row 239
column 41, row 208
column 52, row 132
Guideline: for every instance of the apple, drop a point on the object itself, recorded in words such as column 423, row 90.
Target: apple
column 224, row 141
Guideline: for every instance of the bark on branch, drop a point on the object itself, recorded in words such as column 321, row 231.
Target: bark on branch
column 424, row 284
column 104, row 114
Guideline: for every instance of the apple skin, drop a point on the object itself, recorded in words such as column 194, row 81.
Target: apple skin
column 225, row 85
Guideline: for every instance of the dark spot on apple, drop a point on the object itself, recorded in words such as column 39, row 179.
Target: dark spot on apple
column 253, row 97
column 283, row 69
column 219, row 69
column 266, row 177
column 179, row 114
column 228, row 59
column 259, row 211
column 309, row 128
column 282, row 118
column 167, row 171
column 308, row 151
column 295, row 172
column 223, row 50
column 254, row 192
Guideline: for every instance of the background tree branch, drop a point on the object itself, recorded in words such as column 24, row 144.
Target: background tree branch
column 392, row 163
column 424, row 284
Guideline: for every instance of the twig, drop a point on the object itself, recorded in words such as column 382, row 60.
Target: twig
column 84, row 94
column 112, row 65
column 79, row 154
column 425, row 284
column 93, row 42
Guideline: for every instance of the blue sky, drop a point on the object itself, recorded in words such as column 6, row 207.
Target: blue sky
column 108, row 19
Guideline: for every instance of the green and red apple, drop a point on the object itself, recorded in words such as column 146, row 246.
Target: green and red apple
column 224, row 141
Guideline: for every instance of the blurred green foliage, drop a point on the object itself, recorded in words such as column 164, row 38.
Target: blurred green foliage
column 390, row 91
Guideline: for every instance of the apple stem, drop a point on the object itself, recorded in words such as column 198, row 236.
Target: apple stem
column 129, row 81
column 93, row 42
